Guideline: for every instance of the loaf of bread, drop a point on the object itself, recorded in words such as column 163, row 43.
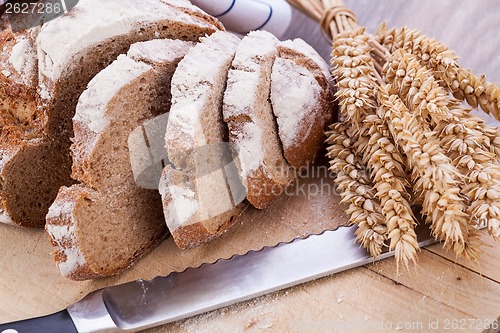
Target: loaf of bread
column 253, row 132
column 202, row 195
column 107, row 220
column 244, row 114
column 69, row 51
column 300, row 92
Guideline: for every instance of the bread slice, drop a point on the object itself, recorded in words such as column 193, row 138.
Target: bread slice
column 198, row 200
column 299, row 94
column 71, row 50
column 103, row 224
column 253, row 132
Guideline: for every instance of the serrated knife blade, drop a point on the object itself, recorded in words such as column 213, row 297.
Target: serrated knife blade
column 141, row 304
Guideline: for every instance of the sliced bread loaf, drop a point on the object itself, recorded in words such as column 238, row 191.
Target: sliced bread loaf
column 299, row 94
column 102, row 225
column 198, row 200
column 253, row 133
column 71, row 50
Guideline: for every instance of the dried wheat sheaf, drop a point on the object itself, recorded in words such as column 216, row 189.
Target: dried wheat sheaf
column 404, row 141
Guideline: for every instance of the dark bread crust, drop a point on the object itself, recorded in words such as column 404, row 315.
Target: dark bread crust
column 195, row 234
column 22, row 140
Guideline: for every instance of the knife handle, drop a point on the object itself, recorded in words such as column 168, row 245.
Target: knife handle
column 59, row 322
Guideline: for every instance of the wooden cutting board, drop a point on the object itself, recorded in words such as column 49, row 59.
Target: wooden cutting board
column 30, row 284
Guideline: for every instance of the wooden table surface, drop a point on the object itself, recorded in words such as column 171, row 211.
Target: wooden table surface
column 441, row 294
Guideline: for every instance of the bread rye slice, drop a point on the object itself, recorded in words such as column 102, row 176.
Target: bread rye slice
column 253, row 133
column 299, row 96
column 202, row 195
column 71, row 50
column 100, row 226
column 295, row 50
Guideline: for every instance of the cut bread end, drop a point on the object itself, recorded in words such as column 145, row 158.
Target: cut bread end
column 198, row 209
column 115, row 220
column 87, row 248
column 304, row 55
column 196, row 192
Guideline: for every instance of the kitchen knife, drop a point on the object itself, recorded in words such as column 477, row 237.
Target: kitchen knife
column 141, row 304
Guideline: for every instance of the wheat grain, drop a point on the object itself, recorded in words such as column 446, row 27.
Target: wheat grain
column 487, row 135
column 436, row 178
column 356, row 189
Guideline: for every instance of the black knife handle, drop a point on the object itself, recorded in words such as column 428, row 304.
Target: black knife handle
column 59, row 322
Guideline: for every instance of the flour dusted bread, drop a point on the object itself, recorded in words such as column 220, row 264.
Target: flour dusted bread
column 253, row 133
column 103, row 224
column 69, row 51
column 201, row 192
column 300, row 92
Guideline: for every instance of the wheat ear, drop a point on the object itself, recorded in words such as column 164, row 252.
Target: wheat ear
column 389, row 178
column 466, row 145
column 443, row 61
column 352, row 67
column 436, row 177
column 356, row 189
column 354, row 71
column 417, row 87
column 421, row 91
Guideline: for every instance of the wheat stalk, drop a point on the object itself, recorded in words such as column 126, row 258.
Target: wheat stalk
column 455, row 190
column 389, row 178
column 353, row 68
column 437, row 178
column 356, row 189
column 433, row 54
column 417, row 86
column 464, row 142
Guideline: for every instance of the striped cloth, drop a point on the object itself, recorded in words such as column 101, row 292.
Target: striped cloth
column 242, row 16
